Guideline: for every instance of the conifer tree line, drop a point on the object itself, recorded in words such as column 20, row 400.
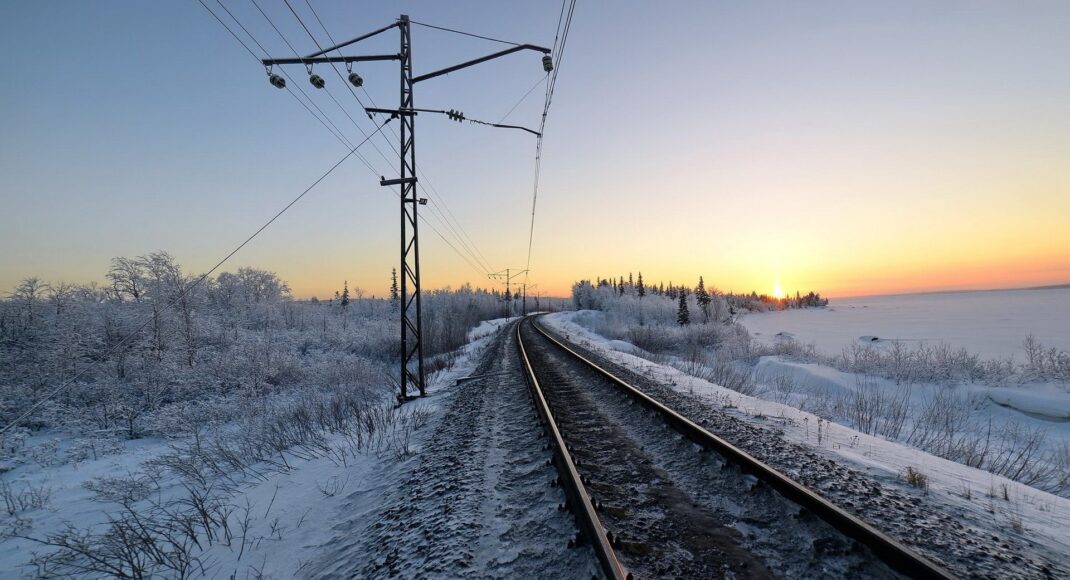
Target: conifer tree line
column 704, row 297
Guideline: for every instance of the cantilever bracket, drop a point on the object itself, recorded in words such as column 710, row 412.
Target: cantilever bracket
column 387, row 182
column 476, row 61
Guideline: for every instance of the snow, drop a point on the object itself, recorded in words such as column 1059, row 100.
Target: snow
column 977, row 495
column 69, row 500
column 1045, row 401
column 813, row 376
column 621, row 345
column 992, row 324
column 291, row 513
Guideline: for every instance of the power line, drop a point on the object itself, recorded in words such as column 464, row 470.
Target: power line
column 541, row 80
column 559, row 52
column 455, row 227
column 337, row 135
column 407, row 195
column 184, row 292
column 468, row 247
column 325, row 120
column 344, row 140
column 337, row 132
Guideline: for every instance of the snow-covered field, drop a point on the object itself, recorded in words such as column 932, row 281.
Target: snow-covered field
column 1004, row 400
column 269, row 522
column 991, row 324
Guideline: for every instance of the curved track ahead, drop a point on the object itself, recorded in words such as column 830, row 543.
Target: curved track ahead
column 651, row 501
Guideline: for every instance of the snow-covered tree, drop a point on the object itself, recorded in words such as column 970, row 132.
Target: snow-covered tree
column 345, row 304
column 394, row 296
column 703, row 299
column 683, row 316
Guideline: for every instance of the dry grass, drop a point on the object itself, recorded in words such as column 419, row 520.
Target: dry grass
column 915, row 478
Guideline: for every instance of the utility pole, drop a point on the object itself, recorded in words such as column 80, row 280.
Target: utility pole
column 526, row 288
column 508, row 274
column 411, row 348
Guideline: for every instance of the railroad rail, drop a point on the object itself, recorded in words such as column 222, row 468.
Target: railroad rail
column 891, row 552
column 569, row 477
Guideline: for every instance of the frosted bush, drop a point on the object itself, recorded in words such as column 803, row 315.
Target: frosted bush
column 150, row 348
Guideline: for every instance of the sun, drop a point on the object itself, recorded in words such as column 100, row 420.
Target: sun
column 778, row 292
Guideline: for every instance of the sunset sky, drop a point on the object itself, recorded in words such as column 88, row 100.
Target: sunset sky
column 845, row 147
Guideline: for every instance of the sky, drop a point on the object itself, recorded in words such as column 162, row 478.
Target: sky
column 845, row 147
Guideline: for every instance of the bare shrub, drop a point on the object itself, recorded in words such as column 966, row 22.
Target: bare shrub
column 874, row 410
column 699, row 364
column 93, row 448
column 865, row 405
column 27, row 498
column 161, row 540
column 784, row 387
column 729, row 376
column 894, row 413
column 332, row 486
column 122, row 490
column 941, row 423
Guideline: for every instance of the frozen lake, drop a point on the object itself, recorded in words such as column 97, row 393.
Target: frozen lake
column 992, row 324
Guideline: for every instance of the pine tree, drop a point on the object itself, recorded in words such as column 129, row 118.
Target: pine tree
column 630, row 283
column 703, row 299
column 345, row 304
column 394, row 297
column 683, row 316
column 639, row 288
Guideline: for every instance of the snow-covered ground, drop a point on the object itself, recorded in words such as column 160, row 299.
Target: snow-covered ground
column 280, row 518
column 1016, row 408
column 991, row 502
column 991, row 324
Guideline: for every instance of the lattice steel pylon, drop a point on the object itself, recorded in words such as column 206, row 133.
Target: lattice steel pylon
column 411, row 347
column 412, row 344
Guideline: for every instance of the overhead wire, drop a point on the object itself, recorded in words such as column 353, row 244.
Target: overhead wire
column 560, row 40
column 465, row 33
column 337, row 132
column 541, row 80
column 457, row 230
column 435, row 194
column 298, row 55
column 455, row 226
column 334, row 131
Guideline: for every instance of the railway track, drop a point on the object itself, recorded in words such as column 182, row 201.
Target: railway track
column 655, row 494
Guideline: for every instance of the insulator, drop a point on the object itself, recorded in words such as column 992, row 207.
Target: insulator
column 317, row 81
column 547, row 63
column 355, row 79
column 277, row 81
